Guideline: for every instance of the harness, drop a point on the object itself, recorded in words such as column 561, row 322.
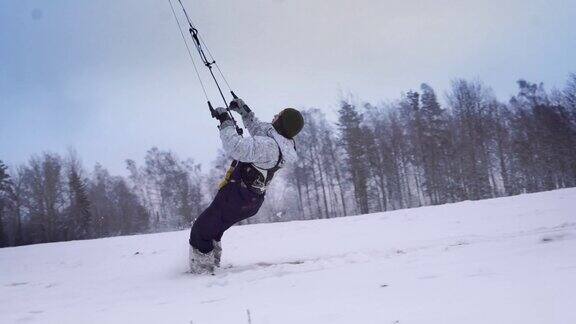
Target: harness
column 252, row 177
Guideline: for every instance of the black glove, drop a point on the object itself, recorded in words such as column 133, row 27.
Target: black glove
column 240, row 107
column 221, row 114
column 224, row 117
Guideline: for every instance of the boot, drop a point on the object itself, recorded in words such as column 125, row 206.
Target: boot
column 217, row 253
column 201, row 263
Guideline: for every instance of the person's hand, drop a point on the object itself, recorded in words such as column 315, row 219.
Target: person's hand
column 238, row 105
column 221, row 114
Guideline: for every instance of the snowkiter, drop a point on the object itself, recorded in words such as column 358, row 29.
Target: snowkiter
column 256, row 159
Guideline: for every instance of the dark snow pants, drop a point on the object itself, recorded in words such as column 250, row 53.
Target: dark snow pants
column 233, row 202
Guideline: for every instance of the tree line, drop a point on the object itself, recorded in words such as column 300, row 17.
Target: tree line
column 410, row 152
column 415, row 152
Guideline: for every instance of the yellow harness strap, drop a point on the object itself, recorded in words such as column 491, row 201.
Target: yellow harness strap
column 228, row 175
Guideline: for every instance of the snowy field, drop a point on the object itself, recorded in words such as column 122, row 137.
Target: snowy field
column 507, row 260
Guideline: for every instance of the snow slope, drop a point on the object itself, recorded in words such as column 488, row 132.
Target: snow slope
column 506, row 260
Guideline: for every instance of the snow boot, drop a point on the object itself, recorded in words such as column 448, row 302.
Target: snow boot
column 217, row 252
column 201, row 263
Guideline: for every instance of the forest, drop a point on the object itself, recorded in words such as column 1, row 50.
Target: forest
column 412, row 151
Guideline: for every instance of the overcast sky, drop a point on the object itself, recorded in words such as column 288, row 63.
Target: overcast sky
column 112, row 78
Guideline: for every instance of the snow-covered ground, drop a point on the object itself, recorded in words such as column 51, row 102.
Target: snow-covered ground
column 507, row 260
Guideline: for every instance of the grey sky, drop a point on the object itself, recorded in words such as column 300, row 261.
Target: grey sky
column 111, row 78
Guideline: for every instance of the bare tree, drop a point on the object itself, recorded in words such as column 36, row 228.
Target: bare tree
column 5, row 189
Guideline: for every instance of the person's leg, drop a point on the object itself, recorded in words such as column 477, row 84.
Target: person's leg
column 202, row 257
column 208, row 226
column 232, row 204
column 198, row 242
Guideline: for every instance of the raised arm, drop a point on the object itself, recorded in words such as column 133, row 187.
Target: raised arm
column 256, row 149
column 255, row 126
column 251, row 122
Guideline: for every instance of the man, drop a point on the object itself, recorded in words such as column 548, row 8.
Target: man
column 256, row 159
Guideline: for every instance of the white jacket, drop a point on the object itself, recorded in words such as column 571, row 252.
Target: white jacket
column 263, row 146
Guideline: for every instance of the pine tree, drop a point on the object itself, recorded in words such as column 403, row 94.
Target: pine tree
column 79, row 208
column 544, row 140
column 435, row 146
column 351, row 136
